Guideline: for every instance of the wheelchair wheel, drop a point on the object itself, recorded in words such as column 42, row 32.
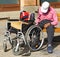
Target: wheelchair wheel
column 17, row 49
column 4, row 46
column 14, row 43
column 34, row 29
column 18, row 52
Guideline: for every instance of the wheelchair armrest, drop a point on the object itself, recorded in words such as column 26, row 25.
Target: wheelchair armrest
column 13, row 19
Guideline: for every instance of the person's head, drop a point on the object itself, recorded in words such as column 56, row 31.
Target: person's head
column 45, row 6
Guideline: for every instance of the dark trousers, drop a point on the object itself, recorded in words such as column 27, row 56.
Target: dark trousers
column 49, row 30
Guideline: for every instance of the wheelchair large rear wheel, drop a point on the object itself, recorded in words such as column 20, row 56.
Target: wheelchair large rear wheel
column 30, row 35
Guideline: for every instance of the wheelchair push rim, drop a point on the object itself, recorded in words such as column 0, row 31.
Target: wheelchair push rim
column 28, row 37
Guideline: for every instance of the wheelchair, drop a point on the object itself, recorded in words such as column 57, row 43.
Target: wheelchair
column 26, row 33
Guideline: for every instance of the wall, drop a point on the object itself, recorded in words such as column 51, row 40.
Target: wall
column 11, row 14
column 15, row 14
column 29, row 2
column 57, row 10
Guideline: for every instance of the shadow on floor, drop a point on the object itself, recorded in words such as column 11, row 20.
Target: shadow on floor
column 56, row 42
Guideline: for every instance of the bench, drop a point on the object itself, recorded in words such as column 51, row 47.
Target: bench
column 4, row 18
column 17, row 24
column 57, row 29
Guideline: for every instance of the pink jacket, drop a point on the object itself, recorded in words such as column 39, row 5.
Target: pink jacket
column 51, row 15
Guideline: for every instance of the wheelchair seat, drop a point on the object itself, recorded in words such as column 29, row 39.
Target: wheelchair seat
column 15, row 25
column 18, row 24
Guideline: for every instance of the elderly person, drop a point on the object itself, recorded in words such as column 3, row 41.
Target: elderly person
column 47, row 18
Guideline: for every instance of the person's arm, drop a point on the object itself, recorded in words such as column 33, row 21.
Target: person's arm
column 55, row 19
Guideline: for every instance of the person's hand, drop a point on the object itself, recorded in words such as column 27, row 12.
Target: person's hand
column 35, row 23
column 46, row 25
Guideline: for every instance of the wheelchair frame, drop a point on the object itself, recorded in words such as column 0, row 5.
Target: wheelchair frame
column 20, row 34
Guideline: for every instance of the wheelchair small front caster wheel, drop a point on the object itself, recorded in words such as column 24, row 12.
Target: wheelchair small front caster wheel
column 5, row 46
column 17, row 52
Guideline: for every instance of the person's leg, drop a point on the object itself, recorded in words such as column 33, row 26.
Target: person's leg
column 50, row 35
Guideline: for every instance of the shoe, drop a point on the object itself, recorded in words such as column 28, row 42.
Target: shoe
column 50, row 49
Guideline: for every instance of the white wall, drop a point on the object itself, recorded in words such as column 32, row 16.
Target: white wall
column 11, row 14
column 57, row 10
column 15, row 14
